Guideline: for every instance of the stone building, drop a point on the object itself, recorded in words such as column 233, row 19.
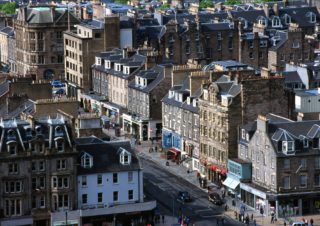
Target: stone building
column 5, row 34
column 81, row 46
column 290, row 46
column 180, row 115
column 39, row 41
column 227, row 103
column 285, row 166
column 143, row 119
column 37, row 170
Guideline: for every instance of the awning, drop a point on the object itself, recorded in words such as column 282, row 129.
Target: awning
column 231, row 183
column 175, row 151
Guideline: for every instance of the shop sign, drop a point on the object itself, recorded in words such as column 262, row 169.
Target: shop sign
column 253, row 191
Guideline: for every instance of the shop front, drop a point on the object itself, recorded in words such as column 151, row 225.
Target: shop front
column 135, row 126
column 216, row 174
column 254, row 197
column 187, row 158
column 112, row 111
column 166, row 139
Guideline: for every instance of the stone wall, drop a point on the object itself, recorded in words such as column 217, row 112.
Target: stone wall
column 46, row 107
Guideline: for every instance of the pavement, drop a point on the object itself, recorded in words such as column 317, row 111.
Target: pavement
column 191, row 177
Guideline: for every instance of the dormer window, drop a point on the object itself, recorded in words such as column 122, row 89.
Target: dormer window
column 262, row 21
column 126, row 70
column 28, row 132
column 295, row 44
column 11, row 134
column 125, row 157
column 86, row 160
column 59, row 144
column 12, row 147
column 194, row 103
column 276, row 22
column 117, row 67
column 38, row 130
column 287, row 146
column 243, row 134
column 98, row 61
column 287, row 19
column 58, row 131
column 107, row 64
column 312, row 17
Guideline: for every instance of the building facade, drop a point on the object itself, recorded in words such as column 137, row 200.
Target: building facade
column 39, row 41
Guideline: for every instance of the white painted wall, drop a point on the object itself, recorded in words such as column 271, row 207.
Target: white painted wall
column 108, row 187
column 126, row 38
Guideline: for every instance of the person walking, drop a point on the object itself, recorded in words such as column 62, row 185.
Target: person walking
column 311, row 222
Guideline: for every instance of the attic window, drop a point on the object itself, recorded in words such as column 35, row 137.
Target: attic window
column 12, row 147
column 243, row 134
column 59, row 144
column 11, row 134
column 312, row 17
column 86, row 160
column 107, row 64
column 276, row 22
column 98, row 60
column 125, row 158
column 262, row 21
column 287, row 19
column 58, row 131
column 287, row 146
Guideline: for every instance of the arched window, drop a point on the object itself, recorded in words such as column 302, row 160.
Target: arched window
column 312, row 18
column 86, row 160
column 287, row 19
column 125, row 157
column 276, row 22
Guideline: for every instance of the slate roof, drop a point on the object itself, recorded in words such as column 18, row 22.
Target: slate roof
column 4, row 88
column 215, row 27
column 156, row 74
column 7, row 30
column 283, row 37
column 291, row 77
column 299, row 15
column 251, row 15
column 106, row 157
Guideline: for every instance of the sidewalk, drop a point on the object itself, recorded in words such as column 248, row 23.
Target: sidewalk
column 181, row 171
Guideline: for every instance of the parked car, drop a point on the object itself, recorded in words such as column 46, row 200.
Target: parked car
column 215, row 199
column 184, row 196
column 57, row 83
column 300, row 223
column 59, row 92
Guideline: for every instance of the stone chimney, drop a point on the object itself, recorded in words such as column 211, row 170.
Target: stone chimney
column 266, row 10
column 265, row 72
column 198, row 78
column 262, row 123
column 276, row 9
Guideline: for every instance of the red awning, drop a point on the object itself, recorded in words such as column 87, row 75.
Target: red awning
column 175, row 151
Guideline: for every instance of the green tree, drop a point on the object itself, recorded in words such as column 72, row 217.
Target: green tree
column 165, row 6
column 124, row 2
column 205, row 4
column 233, row 2
column 8, row 8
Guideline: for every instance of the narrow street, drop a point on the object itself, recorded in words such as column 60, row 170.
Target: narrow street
column 163, row 186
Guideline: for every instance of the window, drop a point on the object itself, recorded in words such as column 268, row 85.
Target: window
column 42, row 165
column 42, row 202
column 99, row 179
column 13, row 168
column 286, row 182
column 12, row 207
column 100, row 197
column 59, row 35
column 40, row 35
column 12, row 149
column 61, row 164
column 125, row 157
column 312, row 17
column 286, row 164
column 40, row 59
column 303, row 181
column 32, row 35
column 317, row 180
column 115, row 178
column 317, row 163
column 84, row 181
column 115, row 196
column 287, row 146
column 84, row 198
column 303, row 163
column 130, row 194
column 86, row 160
column 243, row 134
column 60, row 145
column 276, row 22
column 287, row 19
column 273, row 179
column 130, row 176
column 54, row 182
column 42, row 182
column 305, row 143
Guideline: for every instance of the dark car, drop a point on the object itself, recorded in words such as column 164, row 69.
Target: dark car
column 215, row 199
column 59, row 92
column 184, row 196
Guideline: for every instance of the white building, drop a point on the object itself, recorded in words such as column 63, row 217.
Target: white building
column 110, row 185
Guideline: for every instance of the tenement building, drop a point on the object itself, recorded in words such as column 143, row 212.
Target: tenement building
column 227, row 103
column 285, row 165
column 39, row 41
column 37, row 170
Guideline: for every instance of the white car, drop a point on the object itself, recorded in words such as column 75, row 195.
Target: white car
column 298, row 223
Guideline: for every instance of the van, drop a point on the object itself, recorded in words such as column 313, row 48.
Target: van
column 300, row 223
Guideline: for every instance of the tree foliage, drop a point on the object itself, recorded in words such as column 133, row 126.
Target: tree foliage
column 123, row 2
column 165, row 6
column 205, row 4
column 232, row 2
column 8, row 8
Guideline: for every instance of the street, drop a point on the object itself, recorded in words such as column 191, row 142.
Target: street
column 163, row 186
